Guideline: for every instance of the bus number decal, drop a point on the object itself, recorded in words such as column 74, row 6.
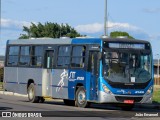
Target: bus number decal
column 72, row 76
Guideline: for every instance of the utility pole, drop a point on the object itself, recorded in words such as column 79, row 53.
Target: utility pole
column 105, row 19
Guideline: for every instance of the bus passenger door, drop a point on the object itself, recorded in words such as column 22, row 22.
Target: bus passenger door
column 47, row 73
column 94, row 69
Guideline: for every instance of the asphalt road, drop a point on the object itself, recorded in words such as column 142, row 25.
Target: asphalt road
column 57, row 109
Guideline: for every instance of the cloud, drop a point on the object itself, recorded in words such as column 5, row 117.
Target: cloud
column 10, row 29
column 13, row 24
column 151, row 10
column 90, row 28
column 98, row 27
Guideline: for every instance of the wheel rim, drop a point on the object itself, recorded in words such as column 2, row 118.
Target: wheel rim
column 31, row 93
column 81, row 97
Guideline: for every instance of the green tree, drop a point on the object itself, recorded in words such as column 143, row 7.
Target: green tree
column 52, row 30
column 120, row 33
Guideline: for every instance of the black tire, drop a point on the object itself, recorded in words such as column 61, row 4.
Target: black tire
column 69, row 102
column 127, row 107
column 81, row 98
column 31, row 94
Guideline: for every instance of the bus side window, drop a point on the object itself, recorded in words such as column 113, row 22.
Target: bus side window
column 64, row 56
column 36, row 56
column 78, row 56
column 24, row 56
column 12, row 56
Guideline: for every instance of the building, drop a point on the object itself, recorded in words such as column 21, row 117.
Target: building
column 156, row 67
column 2, row 61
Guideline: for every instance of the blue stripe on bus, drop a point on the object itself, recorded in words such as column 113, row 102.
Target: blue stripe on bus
column 11, row 82
column 37, row 84
column 22, row 83
column 59, row 86
column 15, row 82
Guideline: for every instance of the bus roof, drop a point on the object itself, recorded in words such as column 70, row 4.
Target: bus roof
column 125, row 40
column 39, row 41
column 71, row 41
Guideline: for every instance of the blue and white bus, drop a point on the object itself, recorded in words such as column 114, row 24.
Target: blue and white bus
column 81, row 70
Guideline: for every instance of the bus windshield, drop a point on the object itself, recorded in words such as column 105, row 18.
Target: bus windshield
column 127, row 66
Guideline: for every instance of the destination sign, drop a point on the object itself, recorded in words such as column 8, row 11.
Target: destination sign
column 126, row 45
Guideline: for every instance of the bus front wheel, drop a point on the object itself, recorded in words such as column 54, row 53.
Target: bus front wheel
column 31, row 94
column 81, row 98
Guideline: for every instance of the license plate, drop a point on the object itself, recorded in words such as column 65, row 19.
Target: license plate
column 129, row 101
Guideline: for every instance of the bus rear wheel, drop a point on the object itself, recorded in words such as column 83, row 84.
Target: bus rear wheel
column 31, row 94
column 81, row 98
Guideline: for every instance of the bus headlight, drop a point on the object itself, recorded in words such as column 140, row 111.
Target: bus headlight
column 149, row 91
column 106, row 89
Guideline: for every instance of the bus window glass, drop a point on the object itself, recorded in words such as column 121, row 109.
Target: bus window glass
column 12, row 60
column 25, row 50
column 78, row 56
column 14, row 50
column 36, row 56
column 13, row 55
column 64, row 56
column 122, row 66
column 24, row 56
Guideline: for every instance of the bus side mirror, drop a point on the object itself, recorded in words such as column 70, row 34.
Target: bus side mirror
column 99, row 55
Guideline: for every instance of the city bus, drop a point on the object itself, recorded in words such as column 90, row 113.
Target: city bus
column 81, row 70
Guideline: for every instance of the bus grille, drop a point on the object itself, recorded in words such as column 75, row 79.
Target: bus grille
column 122, row 98
column 128, row 86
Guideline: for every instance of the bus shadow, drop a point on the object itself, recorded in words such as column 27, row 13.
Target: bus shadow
column 46, row 102
column 104, row 106
column 99, row 106
column 114, row 107
column 5, row 108
column 54, row 103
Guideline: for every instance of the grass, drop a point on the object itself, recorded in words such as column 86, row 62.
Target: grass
column 1, row 83
column 156, row 94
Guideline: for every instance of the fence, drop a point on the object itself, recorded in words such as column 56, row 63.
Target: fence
column 156, row 81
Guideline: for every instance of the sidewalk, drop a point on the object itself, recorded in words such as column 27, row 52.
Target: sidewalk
column 148, row 106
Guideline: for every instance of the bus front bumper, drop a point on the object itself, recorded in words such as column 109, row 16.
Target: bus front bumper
column 113, row 98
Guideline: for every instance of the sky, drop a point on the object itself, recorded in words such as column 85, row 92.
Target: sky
column 140, row 18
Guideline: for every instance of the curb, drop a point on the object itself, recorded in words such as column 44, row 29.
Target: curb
column 12, row 93
column 23, row 95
